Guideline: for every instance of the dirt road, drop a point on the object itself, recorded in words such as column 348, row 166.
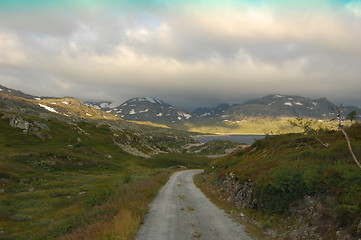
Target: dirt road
column 182, row 212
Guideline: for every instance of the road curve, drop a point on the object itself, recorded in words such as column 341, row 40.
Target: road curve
column 182, row 212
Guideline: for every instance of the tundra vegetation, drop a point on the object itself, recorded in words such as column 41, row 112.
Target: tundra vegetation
column 297, row 186
column 71, row 180
column 92, row 177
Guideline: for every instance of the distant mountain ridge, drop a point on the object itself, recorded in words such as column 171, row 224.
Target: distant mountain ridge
column 146, row 109
column 275, row 105
column 156, row 111
column 213, row 112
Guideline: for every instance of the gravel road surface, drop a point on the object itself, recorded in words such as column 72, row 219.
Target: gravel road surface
column 182, row 212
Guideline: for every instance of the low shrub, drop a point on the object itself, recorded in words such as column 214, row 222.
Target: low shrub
column 276, row 192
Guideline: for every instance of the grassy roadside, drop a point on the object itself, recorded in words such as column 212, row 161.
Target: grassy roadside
column 121, row 216
column 292, row 185
column 243, row 216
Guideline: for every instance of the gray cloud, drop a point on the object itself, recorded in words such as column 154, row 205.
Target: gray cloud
column 184, row 57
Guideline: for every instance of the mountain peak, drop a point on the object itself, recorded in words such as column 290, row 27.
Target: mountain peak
column 145, row 99
column 145, row 109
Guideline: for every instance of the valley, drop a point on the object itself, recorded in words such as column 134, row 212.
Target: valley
column 71, row 175
column 180, row 120
column 271, row 113
column 70, row 170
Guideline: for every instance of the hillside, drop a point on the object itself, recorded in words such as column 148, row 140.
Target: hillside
column 66, row 168
column 68, row 107
column 67, row 177
column 293, row 185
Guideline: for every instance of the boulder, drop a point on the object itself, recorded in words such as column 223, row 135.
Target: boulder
column 27, row 127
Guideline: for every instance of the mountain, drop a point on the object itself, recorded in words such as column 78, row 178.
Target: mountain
column 283, row 105
column 105, row 106
column 150, row 110
column 18, row 102
column 146, row 109
column 213, row 112
column 16, row 93
column 276, row 105
column 140, row 140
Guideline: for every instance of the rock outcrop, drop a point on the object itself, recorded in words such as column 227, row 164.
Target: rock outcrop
column 37, row 128
column 309, row 218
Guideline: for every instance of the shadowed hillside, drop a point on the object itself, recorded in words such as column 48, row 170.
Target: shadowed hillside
column 297, row 186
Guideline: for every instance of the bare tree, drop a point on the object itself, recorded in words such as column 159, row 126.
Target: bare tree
column 305, row 124
column 339, row 117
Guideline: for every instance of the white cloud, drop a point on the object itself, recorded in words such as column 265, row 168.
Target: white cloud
column 11, row 50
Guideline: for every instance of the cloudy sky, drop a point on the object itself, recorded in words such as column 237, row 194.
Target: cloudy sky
column 189, row 53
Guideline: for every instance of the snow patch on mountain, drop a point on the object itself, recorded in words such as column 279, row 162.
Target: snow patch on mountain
column 186, row 115
column 104, row 105
column 50, row 109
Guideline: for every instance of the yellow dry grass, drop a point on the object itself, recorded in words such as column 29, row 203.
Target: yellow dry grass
column 258, row 125
column 150, row 124
column 131, row 205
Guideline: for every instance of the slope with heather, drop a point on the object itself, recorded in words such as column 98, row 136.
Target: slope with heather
column 294, row 185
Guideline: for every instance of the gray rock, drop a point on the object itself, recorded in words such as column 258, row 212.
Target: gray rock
column 28, row 128
column 19, row 122
column 42, row 126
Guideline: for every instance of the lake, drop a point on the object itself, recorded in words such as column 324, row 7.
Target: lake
column 248, row 139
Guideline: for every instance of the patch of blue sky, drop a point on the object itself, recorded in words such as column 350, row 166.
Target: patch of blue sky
column 28, row 4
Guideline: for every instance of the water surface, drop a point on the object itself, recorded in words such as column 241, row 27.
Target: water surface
column 247, row 139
